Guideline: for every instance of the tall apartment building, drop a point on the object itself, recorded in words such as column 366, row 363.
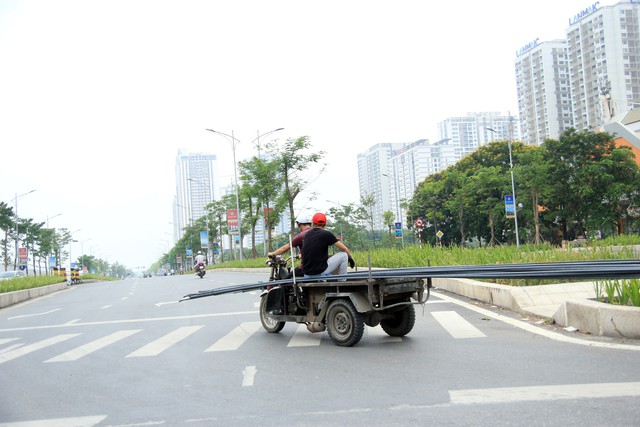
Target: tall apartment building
column 391, row 173
column 374, row 178
column 543, row 90
column 411, row 164
column 194, row 188
column 469, row 132
column 604, row 61
column 600, row 63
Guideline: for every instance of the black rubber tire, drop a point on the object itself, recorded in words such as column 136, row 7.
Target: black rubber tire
column 401, row 322
column 269, row 325
column 344, row 324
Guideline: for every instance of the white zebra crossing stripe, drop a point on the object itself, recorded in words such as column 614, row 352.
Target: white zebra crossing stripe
column 89, row 348
column 451, row 321
column 455, row 324
column 10, row 355
column 234, row 339
column 161, row 344
column 6, row 340
column 304, row 338
column 11, row 347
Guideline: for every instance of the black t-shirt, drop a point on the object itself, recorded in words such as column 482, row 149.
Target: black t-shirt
column 316, row 250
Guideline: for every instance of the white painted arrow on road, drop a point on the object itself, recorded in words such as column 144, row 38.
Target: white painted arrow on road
column 165, row 303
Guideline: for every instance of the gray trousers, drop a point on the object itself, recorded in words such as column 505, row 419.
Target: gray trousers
column 336, row 264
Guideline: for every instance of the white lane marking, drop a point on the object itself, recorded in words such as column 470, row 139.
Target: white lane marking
column 60, row 422
column 96, row 345
column 34, row 314
column 456, row 325
column 234, row 339
column 105, row 306
column 256, row 304
column 156, row 347
column 158, row 304
column 12, row 347
column 379, row 335
column 5, row 357
column 6, row 340
column 248, row 374
column 303, row 338
column 71, row 322
column 537, row 330
column 124, row 298
column 545, row 392
column 150, row 319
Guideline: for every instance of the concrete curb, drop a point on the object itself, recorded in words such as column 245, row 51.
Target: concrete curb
column 11, row 298
column 491, row 293
column 599, row 318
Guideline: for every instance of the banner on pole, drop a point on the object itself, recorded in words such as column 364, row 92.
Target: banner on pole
column 232, row 221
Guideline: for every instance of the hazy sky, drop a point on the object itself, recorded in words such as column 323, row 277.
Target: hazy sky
column 96, row 97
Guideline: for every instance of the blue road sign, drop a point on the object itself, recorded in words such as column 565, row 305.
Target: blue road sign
column 510, row 207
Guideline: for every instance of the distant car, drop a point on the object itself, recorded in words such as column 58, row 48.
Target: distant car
column 7, row 275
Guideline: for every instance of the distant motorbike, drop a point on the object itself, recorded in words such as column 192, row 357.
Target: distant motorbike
column 200, row 270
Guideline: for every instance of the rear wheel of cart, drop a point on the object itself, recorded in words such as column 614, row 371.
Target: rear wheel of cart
column 344, row 324
column 400, row 323
column 269, row 325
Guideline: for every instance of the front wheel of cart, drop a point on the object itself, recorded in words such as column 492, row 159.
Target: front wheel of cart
column 400, row 323
column 269, row 325
column 344, row 324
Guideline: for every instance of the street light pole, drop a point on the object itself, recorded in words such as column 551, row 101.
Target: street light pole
column 49, row 254
column 266, row 221
column 15, row 260
column 206, row 212
column 235, row 173
column 513, row 188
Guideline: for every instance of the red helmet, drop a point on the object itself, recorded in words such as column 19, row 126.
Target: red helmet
column 319, row 218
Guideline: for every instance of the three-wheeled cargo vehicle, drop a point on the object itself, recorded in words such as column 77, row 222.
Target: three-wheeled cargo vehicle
column 337, row 304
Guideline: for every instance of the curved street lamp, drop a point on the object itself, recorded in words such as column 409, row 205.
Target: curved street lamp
column 233, row 140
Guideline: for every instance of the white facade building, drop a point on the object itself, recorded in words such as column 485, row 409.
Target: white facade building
column 604, row 61
column 469, row 132
column 544, row 91
column 391, row 172
column 583, row 81
column 374, row 176
column 411, row 164
column 194, row 188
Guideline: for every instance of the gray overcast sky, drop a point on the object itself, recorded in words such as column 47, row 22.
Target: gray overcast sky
column 96, row 97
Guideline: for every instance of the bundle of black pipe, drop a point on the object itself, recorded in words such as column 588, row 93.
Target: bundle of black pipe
column 575, row 270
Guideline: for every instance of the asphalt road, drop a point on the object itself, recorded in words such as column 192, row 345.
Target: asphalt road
column 127, row 353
